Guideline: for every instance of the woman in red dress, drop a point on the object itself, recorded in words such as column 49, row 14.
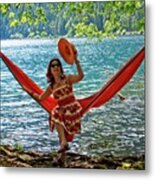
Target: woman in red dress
column 66, row 115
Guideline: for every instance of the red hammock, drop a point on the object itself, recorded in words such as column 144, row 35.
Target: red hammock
column 111, row 87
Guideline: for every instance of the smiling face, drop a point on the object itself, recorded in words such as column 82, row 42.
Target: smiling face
column 55, row 68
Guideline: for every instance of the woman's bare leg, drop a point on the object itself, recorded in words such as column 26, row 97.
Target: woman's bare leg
column 61, row 132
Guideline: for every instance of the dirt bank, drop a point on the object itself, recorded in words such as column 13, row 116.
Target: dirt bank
column 11, row 157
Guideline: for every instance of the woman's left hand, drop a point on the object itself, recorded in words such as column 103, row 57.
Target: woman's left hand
column 36, row 96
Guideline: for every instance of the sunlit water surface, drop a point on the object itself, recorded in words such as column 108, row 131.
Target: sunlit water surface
column 116, row 128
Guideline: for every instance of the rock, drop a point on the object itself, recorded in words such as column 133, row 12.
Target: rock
column 10, row 157
column 25, row 157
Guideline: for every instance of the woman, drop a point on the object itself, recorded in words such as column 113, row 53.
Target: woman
column 66, row 115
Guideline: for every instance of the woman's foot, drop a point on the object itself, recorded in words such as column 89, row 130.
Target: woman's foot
column 63, row 148
column 122, row 98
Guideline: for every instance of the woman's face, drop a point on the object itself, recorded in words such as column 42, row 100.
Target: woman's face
column 55, row 68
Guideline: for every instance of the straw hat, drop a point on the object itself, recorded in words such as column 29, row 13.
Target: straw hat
column 67, row 50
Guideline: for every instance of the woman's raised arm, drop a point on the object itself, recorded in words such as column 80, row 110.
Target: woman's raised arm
column 80, row 75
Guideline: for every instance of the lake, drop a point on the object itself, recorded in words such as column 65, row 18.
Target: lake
column 116, row 128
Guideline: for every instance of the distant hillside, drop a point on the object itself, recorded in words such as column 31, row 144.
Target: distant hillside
column 75, row 19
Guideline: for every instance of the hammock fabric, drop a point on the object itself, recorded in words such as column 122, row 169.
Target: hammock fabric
column 112, row 86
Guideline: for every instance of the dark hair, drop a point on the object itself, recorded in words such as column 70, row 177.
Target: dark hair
column 49, row 75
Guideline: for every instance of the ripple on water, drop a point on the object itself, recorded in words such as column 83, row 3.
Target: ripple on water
column 115, row 128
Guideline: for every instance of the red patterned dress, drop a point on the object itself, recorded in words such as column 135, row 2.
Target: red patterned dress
column 67, row 112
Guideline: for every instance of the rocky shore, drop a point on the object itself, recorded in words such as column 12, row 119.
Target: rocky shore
column 12, row 157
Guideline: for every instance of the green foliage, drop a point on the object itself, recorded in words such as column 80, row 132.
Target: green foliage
column 18, row 147
column 40, row 15
column 138, row 165
column 79, row 19
column 4, row 8
column 31, row 35
column 14, row 22
column 83, row 30
column 43, row 34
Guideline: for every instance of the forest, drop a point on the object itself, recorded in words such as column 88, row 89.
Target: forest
column 72, row 19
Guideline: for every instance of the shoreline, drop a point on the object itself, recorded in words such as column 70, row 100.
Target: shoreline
column 12, row 157
column 55, row 39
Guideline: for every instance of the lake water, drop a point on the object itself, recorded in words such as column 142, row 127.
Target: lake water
column 117, row 128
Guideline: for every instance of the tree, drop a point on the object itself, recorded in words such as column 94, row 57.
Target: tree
column 79, row 19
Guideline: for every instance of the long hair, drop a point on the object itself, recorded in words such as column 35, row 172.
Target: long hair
column 49, row 75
